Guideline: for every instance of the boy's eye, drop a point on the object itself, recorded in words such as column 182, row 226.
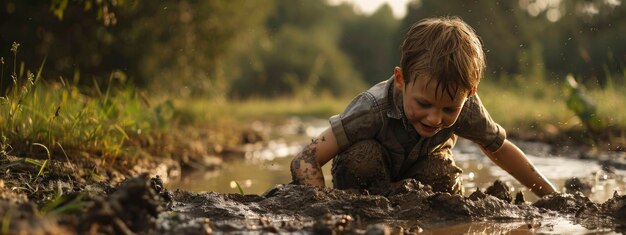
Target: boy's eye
column 449, row 110
column 425, row 105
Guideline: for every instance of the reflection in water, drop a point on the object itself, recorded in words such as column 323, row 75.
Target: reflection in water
column 549, row 226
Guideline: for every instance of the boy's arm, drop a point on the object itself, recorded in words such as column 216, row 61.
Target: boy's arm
column 306, row 167
column 511, row 159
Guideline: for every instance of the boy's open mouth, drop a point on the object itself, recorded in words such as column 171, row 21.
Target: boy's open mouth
column 428, row 128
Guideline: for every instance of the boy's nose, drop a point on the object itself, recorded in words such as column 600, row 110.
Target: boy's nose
column 434, row 118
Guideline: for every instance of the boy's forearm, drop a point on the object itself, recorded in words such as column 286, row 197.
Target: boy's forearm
column 513, row 160
column 305, row 169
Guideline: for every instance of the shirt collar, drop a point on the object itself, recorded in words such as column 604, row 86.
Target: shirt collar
column 394, row 100
column 396, row 108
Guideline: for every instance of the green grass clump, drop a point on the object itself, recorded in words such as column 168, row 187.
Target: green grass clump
column 57, row 114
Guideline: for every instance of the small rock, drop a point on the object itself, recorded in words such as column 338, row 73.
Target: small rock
column 499, row 190
column 575, row 184
column 377, row 229
column 477, row 195
column 519, row 198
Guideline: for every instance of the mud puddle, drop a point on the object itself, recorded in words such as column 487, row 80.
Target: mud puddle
column 255, row 168
column 256, row 172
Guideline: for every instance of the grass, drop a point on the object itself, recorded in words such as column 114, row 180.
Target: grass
column 56, row 112
column 201, row 111
column 540, row 106
column 63, row 204
column 517, row 104
column 239, row 188
column 523, row 106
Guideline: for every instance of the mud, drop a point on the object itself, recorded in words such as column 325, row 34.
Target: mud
column 289, row 208
column 141, row 205
column 80, row 197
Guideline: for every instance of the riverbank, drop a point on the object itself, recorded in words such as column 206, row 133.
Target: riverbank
column 58, row 198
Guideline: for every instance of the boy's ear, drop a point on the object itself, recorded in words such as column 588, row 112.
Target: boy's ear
column 398, row 78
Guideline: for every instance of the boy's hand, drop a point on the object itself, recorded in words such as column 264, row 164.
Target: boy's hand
column 514, row 161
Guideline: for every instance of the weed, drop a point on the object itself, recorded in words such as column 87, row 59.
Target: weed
column 64, row 204
column 239, row 187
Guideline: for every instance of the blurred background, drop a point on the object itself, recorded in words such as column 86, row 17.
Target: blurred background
column 190, row 54
column 136, row 84
column 239, row 49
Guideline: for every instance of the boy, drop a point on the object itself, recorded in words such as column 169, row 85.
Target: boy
column 405, row 127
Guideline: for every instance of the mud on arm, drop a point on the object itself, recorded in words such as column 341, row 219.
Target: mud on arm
column 511, row 159
column 306, row 167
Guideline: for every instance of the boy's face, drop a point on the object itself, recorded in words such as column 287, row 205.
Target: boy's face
column 427, row 109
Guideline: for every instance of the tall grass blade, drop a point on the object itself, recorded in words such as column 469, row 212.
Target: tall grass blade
column 43, row 166
column 44, row 147
column 40, row 69
column 45, row 163
column 239, row 187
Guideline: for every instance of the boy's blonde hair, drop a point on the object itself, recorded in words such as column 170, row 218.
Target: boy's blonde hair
column 445, row 49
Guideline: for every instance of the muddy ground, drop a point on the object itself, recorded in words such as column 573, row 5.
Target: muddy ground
column 81, row 197
column 141, row 205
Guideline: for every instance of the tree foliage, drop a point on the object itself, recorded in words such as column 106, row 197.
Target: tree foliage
column 299, row 55
column 532, row 37
column 238, row 48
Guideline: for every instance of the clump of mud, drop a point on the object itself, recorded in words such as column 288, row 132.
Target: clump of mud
column 133, row 207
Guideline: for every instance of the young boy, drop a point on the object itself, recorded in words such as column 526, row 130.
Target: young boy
column 406, row 126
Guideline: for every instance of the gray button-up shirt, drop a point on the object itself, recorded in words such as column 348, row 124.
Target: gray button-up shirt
column 378, row 114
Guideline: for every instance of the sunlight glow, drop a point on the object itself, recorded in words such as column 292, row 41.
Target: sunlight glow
column 370, row 6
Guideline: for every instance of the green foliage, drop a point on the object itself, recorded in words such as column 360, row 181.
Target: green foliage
column 282, row 48
column 104, row 9
column 48, row 114
column 192, row 54
column 300, row 55
column 523, row 37
column 582, row 105
column 369, row 42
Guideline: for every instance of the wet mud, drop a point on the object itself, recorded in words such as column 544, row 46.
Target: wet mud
column 70, row 198
column 142, row 205
column 409, row 208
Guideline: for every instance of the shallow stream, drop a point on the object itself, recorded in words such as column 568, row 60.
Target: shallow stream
column 257, row 167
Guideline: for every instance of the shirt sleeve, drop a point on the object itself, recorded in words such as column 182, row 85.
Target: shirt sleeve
column 475, row 124
column 359, row 121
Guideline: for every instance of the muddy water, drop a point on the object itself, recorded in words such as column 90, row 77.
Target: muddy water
column 255, row 168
